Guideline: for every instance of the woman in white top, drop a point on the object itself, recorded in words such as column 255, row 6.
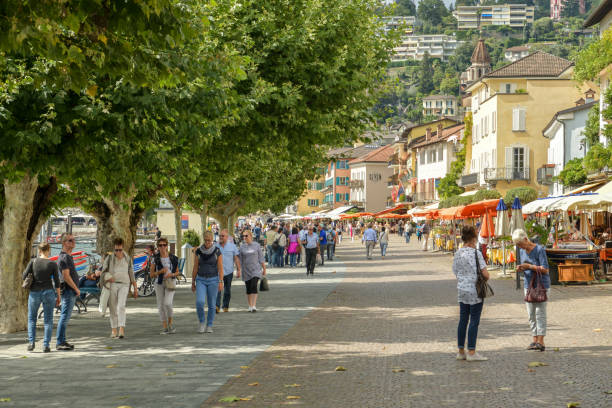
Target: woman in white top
column 117, row 275
column 468, row 260
column 165, row 267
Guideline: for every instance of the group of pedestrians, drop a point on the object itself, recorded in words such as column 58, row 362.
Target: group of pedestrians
column 54, row 284
column 469, row 263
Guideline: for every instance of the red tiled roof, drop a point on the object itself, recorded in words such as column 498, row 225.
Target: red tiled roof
column 446, row 133
column 538, row 64
column 381, row 154
column 518, row 48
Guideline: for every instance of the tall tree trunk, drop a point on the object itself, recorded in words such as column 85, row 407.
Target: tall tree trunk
column 204, row 223
column 25, row 203
column 178, row 213
column 115, row 220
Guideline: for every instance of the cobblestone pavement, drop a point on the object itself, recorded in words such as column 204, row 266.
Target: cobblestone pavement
column 392, row 325
column 148, row 370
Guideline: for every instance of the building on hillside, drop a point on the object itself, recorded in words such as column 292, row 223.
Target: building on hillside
column 440, row 105
column 510, row 15
column 403, row 162
column 567, row 142
column 602, row 15
column 510, row 107
column 336, row 189
column 434, row 154
column 313, row 195
column 513, row 54
column 480, row 66
column 369, row 174
column 414, row 47
column 556, row 7
column 404, row 23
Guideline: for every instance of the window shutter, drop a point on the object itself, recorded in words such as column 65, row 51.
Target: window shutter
column 508, row 158
column 526, row 171
column 515, row 119
column 522, row 113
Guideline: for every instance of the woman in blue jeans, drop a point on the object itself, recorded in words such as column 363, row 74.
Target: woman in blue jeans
column 207, row 281
column 45, row 289
column 466, row 263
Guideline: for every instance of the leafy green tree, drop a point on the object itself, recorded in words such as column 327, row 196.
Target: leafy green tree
column 571, row 8
column 450, row 84
column 432, row 12
column 591, row 129
column 525, row 194
column 404, row 8
column 573, row 173
column 425, row 75
column 448, row 186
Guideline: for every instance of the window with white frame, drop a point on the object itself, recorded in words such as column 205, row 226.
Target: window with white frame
column 440, row 153
column 518, row 119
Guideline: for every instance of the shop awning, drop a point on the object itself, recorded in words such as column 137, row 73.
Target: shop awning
column 606, row 188
column 390, row 210
column 539, row 205
column 586, row 188
column 340, row 210
column 355, row 215
column 586, row 201
column 450, row 213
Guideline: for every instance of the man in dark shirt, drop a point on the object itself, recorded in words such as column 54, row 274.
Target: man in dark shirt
column 70, row 290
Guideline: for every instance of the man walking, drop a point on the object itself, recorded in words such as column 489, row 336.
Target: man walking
column 311, row 243
column 369, row 238
column 271, row 248
column 70, row 290
column 302, row 238
column 425, row 235
column 331, row 243
column 230, row 258
column 323, row 243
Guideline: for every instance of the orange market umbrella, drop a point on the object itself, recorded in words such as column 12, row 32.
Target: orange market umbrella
column 487, row 229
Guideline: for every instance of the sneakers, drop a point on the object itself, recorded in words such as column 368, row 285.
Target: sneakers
column 475, row 357
column 226, row 309
column 171, row 329
column 460, row 356
column 540, row 347
column 532, row 346
column 217, row 308
column 64, row 347
column 164, row 331
column 202, row 328
column 250, row 309
column 47, row 349
column 209, row 329
column 254, row 309
column 31, row 347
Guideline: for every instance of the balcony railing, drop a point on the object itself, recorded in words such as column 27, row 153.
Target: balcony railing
column 357, row 203
column 468, row 179
column 327, row 189
column 507, row 174
column 545, row 174
column 326, row 206
column 356, row 183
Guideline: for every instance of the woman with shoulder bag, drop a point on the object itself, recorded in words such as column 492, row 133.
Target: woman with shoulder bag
column 534, row 265
column 118, row 271
column 44, row 288
column 165, row 269
column 467, row 265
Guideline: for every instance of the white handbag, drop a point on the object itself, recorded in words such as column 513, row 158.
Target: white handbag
column 104, row 296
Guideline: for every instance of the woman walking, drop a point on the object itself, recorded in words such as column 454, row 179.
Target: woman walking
column 253, row 267
column 383, row 240
column 294, row 247
column 45, row 289
column 207, row 281
column 466, row 264
column 165, row 268
column 118, row 271
column 534, row 265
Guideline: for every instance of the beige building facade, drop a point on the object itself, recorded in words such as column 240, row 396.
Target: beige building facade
column 369, row 175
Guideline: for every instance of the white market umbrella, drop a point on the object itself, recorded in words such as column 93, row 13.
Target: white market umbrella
column 517, row 221
column 502, row 228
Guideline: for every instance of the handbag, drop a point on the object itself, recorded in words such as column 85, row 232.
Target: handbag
column 536, row 292
column 264, row 286
column 27, row 282
column 483, row 289
column 170, row 284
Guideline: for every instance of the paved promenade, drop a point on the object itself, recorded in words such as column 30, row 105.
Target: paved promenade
column 389, row 323
column 147, row 370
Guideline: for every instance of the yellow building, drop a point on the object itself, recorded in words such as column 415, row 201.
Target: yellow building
column 313, row 195
column 510, row 107
column 403, row 160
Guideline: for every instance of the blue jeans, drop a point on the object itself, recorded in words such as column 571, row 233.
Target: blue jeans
column 408, row 237
column 280, row 256
column 471, row 313
column 330, row 251
column 293, row 259
column 271, row 255
column 206, row 293
column 47, row 298
column 383, row 249
column 68, row 299
column 227, row 291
